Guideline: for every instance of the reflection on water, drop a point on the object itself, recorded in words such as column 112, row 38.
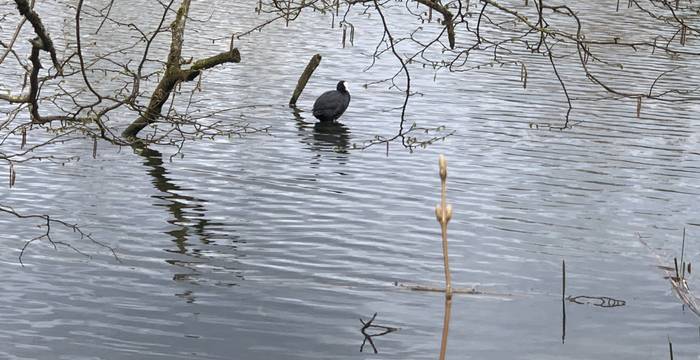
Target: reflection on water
column 313, row 233
column 329, row 139
column 188, row 217
column 188, row 213
column 326, row 134
column 333, row 134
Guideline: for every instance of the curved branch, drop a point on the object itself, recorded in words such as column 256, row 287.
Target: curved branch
column 448, row 18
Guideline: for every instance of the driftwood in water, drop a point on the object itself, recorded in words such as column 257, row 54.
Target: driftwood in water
column 304, row 78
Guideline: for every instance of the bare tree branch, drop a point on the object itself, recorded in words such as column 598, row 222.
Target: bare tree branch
column 174, row 74
column 25, row 9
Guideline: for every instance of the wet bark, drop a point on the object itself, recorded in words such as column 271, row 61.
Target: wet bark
column 304, row 78
column 174, row 74
column 26, row 10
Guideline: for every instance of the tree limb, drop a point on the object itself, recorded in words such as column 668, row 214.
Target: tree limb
column 26, row 10
column 174, row 74
column 446, row 14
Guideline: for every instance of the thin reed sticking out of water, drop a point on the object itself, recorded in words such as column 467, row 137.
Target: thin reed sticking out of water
column 443, row 213
column 563, row 301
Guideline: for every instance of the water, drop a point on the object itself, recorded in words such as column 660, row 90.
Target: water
column 275, row 244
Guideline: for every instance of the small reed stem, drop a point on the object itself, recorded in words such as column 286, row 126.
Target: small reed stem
column 443, row 213
column 563, row 301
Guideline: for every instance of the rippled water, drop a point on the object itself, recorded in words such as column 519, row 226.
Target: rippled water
column 273, row 245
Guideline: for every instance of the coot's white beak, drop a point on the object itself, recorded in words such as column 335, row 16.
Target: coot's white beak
column 345, row 85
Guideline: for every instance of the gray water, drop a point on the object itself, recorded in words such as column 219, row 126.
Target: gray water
column 275, row 244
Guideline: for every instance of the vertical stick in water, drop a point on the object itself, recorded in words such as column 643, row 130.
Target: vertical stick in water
column 24, row 137
column 443, row 213
column 675, row 264
column 682, row 253
column 639, row 106
column 563, row 300
column 13, row 175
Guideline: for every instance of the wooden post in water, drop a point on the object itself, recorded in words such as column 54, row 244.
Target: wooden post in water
column 304, row 78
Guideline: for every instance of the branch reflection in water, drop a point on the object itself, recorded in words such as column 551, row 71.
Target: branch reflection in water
column 188, row 216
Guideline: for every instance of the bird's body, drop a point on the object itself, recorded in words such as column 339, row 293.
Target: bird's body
column 331, row 104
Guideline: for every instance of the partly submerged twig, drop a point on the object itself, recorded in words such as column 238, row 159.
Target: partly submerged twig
column 304, row 78
column 456, row 290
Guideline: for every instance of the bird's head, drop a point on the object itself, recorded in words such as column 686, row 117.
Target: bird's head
column 342, row 86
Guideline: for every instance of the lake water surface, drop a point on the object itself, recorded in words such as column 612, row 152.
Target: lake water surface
column 275, row 244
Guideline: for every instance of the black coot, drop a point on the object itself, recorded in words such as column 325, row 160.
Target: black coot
column 331, row 104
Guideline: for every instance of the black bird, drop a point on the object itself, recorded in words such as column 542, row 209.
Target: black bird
column 331, row 104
